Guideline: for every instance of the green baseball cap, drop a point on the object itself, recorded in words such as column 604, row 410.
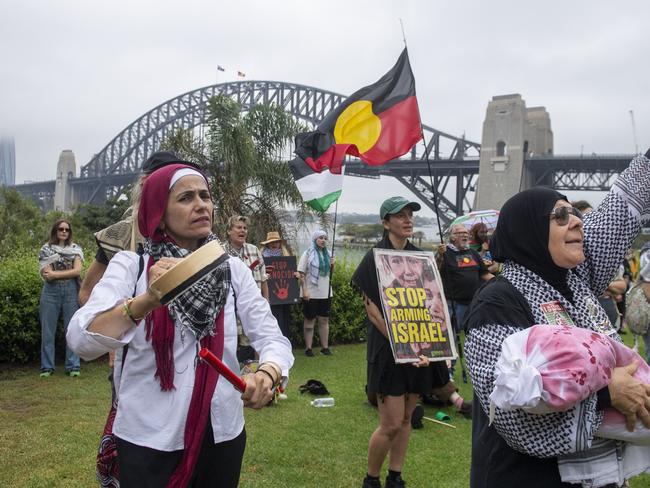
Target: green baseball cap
column 395, row 204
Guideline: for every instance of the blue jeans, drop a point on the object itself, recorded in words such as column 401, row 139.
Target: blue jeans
column 57, row 296
column 460, row 310
column 460, row 315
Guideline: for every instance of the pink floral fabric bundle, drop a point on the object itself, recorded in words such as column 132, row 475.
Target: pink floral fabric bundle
column 551, row 368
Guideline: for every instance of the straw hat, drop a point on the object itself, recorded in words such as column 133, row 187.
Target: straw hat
column 272, row 237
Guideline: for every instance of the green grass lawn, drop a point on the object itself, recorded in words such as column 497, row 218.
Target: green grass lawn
column 49, row 430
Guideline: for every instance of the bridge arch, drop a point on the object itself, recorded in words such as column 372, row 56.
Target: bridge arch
column 126, row 152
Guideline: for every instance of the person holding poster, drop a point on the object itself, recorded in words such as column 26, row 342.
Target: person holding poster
column 397, row 387
column 274, row 247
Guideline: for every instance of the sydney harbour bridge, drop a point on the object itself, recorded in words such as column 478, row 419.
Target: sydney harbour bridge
column 452, row 167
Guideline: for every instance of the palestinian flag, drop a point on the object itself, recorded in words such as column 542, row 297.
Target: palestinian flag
column 377, row 123
column 318, row 189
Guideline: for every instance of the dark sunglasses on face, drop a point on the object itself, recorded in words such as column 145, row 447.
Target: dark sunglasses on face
column 63, row 229
column 561, row 214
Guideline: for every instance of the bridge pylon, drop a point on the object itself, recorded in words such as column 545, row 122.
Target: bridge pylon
column 511, row 133
column 66, row 169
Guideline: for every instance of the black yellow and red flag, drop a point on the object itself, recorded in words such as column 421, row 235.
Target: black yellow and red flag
column 377, row 123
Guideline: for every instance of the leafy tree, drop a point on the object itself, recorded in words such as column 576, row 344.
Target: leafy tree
column 245, row 154
column 22, row 225
column 97, row 217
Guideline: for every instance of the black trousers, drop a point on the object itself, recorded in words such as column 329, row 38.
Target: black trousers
column 218, row 465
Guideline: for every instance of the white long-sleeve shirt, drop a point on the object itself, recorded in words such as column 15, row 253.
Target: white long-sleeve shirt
column 147, row 416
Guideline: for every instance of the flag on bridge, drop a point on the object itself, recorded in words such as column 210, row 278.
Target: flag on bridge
column 377, row 123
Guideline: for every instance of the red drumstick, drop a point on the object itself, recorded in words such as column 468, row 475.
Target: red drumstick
column 224, row 370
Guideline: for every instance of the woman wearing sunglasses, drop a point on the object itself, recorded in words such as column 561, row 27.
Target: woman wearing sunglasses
column 59, row 262
column 555, row 264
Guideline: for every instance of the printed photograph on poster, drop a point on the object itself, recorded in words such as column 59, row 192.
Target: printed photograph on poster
column 283, row 284
column 414, row 306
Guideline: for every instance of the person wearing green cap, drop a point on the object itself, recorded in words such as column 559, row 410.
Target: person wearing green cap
column 395, row 387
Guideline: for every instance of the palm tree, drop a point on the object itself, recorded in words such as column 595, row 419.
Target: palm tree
column 245, row 156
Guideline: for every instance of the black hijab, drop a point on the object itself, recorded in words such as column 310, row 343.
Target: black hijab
column 522, row 234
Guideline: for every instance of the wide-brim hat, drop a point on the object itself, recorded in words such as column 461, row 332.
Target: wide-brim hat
column 272, row 237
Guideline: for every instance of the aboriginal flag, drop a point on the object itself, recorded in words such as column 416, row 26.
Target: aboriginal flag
column 378, row 123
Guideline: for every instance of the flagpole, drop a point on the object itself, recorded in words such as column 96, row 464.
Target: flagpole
column 426, row 151
column 336, row 212
column 437, row 210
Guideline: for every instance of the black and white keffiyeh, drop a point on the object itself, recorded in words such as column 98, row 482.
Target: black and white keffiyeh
column 568, row 436
column 59, row 257
column 197, row 308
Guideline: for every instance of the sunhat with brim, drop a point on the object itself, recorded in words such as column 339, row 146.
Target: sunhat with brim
column 395, row 204
column 272, row 237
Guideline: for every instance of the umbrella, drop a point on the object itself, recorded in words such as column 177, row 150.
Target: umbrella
column 487, row 217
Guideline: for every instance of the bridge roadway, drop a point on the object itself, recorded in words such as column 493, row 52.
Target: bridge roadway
column 562, row 172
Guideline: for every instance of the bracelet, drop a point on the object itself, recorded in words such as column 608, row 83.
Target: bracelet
column 272, row 369
column 126, row 311
column 267, row 374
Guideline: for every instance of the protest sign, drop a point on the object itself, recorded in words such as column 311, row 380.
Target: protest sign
column 283, row 285
column 414, row 306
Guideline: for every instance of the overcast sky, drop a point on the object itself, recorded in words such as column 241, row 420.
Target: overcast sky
column 74, row 73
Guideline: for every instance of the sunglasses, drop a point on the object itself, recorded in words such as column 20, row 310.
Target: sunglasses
column 561, row 215
column 63, row 229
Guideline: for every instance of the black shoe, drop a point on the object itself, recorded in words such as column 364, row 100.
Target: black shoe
column 309, row 353
column 433, row 400
column 326, row 351
column 371, row 483
column 395, row 482
column 416, row 417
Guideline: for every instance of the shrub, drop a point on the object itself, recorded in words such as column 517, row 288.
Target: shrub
column 20, row 289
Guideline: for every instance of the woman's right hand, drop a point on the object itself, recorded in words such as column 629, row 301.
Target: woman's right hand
column 48, row 274
column 629, row 396
column 305, row 296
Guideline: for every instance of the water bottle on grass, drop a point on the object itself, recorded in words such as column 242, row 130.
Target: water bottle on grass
column 323, row 402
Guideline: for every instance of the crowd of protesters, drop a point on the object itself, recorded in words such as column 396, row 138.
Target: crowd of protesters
column 496, row 281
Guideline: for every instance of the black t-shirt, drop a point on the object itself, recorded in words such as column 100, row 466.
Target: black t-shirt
column 461, row 274
column 101, row 257
column 364, row 280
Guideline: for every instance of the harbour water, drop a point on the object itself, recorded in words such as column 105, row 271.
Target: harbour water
column 354, row 252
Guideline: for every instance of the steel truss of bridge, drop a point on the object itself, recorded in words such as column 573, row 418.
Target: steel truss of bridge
column 454, row 161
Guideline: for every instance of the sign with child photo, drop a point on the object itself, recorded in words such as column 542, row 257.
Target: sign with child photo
column 414, row 306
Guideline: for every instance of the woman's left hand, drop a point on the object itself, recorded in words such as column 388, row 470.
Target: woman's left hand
column 258, row 390
column 161, row 266
column 422, row 363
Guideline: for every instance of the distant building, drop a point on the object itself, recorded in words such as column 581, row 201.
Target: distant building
column 7, row 161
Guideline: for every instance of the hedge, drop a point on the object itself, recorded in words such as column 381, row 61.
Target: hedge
column 20, row 289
